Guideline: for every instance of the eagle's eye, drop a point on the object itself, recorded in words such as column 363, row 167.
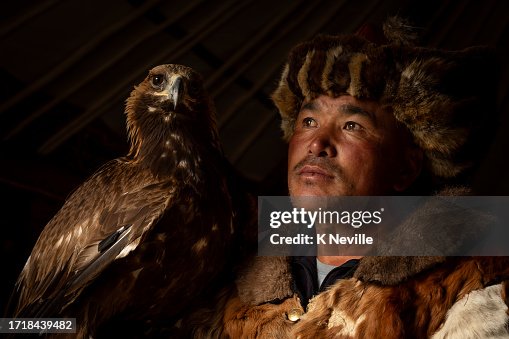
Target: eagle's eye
column 157, row 81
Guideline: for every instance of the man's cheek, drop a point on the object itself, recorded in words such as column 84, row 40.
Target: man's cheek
column 293, row 154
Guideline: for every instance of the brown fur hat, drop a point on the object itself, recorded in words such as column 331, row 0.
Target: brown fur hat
column 440, row 96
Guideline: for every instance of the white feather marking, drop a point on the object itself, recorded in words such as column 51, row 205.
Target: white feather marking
column 78, row 231
column 59, row 242
column 151, row 109
column 182, row 164
column 126, row 250
column 27, row 263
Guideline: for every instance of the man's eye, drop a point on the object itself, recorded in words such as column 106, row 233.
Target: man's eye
column 352, row 126
column 309, row 122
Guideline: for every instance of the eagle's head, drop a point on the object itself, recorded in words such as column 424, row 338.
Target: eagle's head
column 171, row 120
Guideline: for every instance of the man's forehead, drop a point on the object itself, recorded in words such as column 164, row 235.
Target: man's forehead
column 344, row 104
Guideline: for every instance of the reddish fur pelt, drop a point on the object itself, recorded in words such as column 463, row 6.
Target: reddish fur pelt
column 414, row 308
column 267, row 320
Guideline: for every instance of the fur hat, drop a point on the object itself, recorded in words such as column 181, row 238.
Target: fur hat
column 442, row 97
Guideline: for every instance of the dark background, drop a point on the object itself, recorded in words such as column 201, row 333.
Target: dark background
column 67, row 66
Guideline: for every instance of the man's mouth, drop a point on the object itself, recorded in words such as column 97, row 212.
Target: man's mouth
column 310, row 171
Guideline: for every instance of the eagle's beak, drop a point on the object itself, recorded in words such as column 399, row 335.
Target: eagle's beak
column 176, row 90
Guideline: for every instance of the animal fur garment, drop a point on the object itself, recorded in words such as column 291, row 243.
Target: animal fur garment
column 438, row 297
column 387, row 297
column 441, row 97
column 416, row 308
column 146, row 234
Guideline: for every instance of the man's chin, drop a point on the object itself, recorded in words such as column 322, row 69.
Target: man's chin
column 314, row 191
column 318, row 186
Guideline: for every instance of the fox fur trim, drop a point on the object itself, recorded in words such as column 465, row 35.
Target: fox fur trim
column 440, row 96
column 432, row 303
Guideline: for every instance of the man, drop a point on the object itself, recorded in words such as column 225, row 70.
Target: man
column 373, row 119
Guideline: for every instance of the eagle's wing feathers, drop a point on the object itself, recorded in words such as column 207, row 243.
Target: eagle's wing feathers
column 117, row 228
column 82, row 278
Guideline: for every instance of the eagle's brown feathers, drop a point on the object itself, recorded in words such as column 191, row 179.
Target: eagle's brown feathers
column 145, row 233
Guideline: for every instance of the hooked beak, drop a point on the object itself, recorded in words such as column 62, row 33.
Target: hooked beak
column 176, row 90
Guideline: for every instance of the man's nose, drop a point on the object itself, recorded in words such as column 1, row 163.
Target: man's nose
column 322, row 145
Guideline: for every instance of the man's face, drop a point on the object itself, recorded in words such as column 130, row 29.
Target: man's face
column 344, row 146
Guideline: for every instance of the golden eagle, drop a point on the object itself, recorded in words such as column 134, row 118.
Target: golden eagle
column 146, row 233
